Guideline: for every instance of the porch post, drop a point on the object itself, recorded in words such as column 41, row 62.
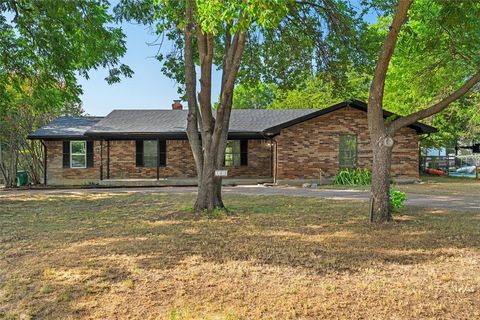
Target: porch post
column 101, row 160
column 44, row 162
column 158, row 159
column 271, row 158
column 275, row 171
column 108, row 159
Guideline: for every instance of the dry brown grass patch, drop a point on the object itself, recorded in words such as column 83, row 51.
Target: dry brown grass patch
column 137, row 256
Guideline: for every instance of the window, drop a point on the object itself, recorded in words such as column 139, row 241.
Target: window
column 78, row 154
column 236, row 153
column 150, row 153
column 348, row 151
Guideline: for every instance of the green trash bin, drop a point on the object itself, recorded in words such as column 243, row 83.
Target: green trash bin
column 22, row 178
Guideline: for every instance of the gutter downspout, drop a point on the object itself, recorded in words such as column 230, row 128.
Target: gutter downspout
column 44, row 162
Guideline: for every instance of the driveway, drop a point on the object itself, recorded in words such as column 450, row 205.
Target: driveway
column 459, row 203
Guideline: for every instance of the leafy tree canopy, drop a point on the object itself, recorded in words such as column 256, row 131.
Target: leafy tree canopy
column 287, row 40
column 437, row 50
column 435, row 53
column 46, row 44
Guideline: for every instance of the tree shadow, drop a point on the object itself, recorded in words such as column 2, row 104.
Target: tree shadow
column 91, row 245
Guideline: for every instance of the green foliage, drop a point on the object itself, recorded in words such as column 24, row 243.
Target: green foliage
column 437, row 50
column 288, row 41
column 321, row 92
column 315, row 92
column 315, row 37
column 212, row 14
column 353, row 176
column 435, row 53
column 397, row 199
column 46, row 44
column 253, row 96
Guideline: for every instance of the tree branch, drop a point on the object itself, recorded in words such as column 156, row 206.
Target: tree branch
column 436, row 108
column 190, row 86
column 375, row 100
column 205, row 48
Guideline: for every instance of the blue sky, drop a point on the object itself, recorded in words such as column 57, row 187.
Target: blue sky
column 147, row 89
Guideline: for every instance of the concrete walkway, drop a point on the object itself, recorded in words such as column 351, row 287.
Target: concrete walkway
column 427, row 201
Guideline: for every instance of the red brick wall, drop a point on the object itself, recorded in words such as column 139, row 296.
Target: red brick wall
column 180, row 163
column 259, row 161
column 305, row 151
column 310, row 150
column 122, row 161
column 57, row 175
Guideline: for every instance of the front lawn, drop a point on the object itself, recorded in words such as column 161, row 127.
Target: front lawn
column 118, row 256
column 428, row 185
column 445, row 186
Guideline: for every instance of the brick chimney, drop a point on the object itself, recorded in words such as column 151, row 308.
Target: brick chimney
column 176, row 105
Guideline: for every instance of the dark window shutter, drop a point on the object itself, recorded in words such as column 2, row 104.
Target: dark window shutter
column 162, row 153
column 244, row 152
column 66, row 154
column 139, row 153
column 89, row 154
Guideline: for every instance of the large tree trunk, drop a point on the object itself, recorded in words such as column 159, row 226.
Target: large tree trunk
column 381, row 138
column 380, row 189
column 208, row 150
column 381, row 134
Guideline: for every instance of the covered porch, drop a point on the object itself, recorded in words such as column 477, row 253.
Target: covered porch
column 167, row 182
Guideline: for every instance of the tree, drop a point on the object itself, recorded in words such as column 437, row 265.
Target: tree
column 212, row 34
column 202, row 19
column 44, row 46
column 257, row 95
column 437, row 43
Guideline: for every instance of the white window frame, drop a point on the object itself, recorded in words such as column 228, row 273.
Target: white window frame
column 78, row 154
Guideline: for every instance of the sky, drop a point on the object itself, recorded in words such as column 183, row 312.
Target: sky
column 147, row 89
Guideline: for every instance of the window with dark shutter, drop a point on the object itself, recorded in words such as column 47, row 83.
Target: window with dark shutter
column 89, row 154
column 244, row 152
column 66, row 154
column 162, row 153
column 236, row 153
column 139, row 153
column 150, row 153
column 78, row 154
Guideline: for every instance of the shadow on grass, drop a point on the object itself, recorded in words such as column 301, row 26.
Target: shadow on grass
column 57, row 249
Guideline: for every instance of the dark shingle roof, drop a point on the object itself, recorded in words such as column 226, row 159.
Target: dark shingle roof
column 261, row 120
column 65, row 127
column 175, row 121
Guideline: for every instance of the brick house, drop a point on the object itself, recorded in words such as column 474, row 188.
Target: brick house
column 150, row 147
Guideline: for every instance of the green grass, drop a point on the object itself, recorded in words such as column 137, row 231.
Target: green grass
column 137, row 256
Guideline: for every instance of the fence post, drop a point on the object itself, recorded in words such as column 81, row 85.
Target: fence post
column 448, row 165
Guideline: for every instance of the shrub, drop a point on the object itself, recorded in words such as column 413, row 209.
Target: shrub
column 353, row 177
column 397, row 199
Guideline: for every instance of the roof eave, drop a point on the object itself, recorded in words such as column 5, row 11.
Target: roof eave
column 55, row 137
column 420, row 128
